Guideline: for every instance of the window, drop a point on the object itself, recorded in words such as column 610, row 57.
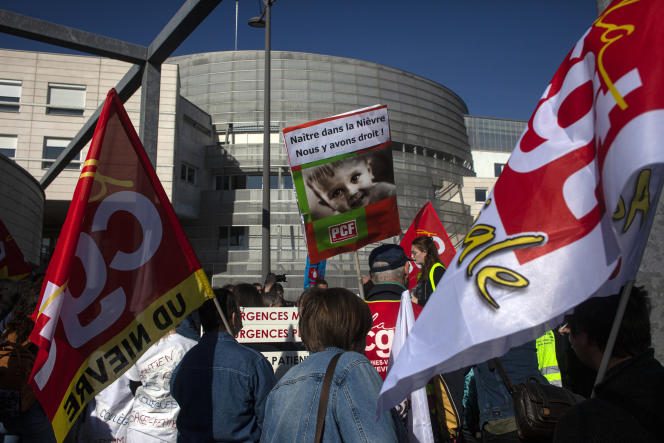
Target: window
column 53, row 147
column 8, row 145
column 10, row 95
column 227, row 182
column 497, row 169
column 254, row 182
column 65, row 99
column 480, row 194
column 233, row 237
column 188, row 174
column 251, row 181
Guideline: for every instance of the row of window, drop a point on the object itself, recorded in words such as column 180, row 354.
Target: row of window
column 254, row 181
column 52, row 148
column 62, row 99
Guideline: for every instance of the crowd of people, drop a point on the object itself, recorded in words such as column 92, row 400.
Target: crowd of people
column 205, row 386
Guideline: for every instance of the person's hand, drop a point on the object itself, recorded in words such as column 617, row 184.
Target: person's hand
column 366, row 279
column 413, row 298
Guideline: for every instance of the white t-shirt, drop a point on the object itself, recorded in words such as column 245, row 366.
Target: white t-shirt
column 108, row 414
column 153, row 414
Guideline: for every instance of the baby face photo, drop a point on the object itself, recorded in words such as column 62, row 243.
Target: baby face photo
column 349, row 183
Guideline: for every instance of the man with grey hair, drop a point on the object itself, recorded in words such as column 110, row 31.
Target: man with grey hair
column 388, row 266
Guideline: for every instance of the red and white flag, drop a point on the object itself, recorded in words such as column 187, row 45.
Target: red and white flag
column 570, row 215
column 12, row 263
column 122, row 275
column 427, row 223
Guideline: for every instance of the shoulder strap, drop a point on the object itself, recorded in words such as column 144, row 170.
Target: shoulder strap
column 431, row 279
column 324, row 395
column 501, row 370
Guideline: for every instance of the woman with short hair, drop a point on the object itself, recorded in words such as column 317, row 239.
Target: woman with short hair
column 332, row 321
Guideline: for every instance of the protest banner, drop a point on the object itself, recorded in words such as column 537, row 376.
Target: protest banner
column 12, row 263
column 313, row 273
column 344, row 180
column 426, row 222
column 570, row 215
column 274, row 333
column 122, row 275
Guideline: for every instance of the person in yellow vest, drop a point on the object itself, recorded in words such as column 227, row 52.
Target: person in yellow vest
column 546, row 358
column 425, row 254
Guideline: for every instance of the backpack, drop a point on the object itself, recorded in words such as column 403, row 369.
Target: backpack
column 16, row 361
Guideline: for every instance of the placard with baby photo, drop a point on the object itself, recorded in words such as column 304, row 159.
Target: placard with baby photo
column 344, row 179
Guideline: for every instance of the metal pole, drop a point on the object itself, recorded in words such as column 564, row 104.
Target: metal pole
column 236, row 15
column 359, row 275
column 266, row 147
column 608, row 350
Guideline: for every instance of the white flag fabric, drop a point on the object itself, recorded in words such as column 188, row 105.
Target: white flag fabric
column 569, row 216
column 419, row 419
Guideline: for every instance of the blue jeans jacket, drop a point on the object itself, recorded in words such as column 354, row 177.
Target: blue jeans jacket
column 292, row 406
column 493, row 400
column 221, row 387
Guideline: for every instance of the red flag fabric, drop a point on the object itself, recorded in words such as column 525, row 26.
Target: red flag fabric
column 122, row 275
column 426, row 222
column 12, row 263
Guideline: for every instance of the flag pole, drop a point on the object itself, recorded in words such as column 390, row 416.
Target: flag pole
column 624, row 297
column 359, row 274
column 223, row 317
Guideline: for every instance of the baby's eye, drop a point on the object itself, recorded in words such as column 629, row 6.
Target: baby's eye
column 337, row 193
column 355, row 178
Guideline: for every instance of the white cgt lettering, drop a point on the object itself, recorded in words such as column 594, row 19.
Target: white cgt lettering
column 113, row 304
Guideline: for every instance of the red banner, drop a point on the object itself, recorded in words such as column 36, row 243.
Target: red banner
column 12, row 263
column 122, row 275
column 427, row 223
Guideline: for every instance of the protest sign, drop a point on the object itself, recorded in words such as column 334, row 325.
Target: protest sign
column 569, row 216
column 122, row 275
column 12, row 263
column 426, row 222
column 274, row 333
column 344, row 180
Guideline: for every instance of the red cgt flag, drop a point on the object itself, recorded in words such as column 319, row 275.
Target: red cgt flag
column 122, row 275
column 426, row 222
column 12, row 263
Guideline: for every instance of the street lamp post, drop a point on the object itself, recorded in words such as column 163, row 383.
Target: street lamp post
column 264, row 22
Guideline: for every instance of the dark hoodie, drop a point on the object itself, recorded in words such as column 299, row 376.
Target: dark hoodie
column 627, row 406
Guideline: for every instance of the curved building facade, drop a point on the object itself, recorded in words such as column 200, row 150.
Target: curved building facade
column 22, row 208
column 431, row 153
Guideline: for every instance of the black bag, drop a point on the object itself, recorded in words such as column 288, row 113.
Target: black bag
column 537, row 406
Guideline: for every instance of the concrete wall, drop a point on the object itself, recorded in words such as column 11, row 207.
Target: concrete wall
column 21, row 207
column 33, row 123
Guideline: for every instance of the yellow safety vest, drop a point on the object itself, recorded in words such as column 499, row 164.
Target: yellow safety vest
column 433, row 283
column 546, row 358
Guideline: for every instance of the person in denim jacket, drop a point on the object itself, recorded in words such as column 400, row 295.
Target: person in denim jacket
column 496, row 410
column 332, row 321
column 220, row 385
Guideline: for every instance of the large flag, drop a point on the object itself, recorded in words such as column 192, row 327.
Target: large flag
column 426, row 222
column 122, row 275
column 569, row 216
column 12, row 263
column 344, row 181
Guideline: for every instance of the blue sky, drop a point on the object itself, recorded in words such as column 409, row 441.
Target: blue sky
column 498, row 56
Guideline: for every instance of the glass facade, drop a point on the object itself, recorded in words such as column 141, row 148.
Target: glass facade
column 493, row 134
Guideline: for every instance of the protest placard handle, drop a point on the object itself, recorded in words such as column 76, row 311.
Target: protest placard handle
column 223, row 317
column 608, row 350
column 359, row 275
